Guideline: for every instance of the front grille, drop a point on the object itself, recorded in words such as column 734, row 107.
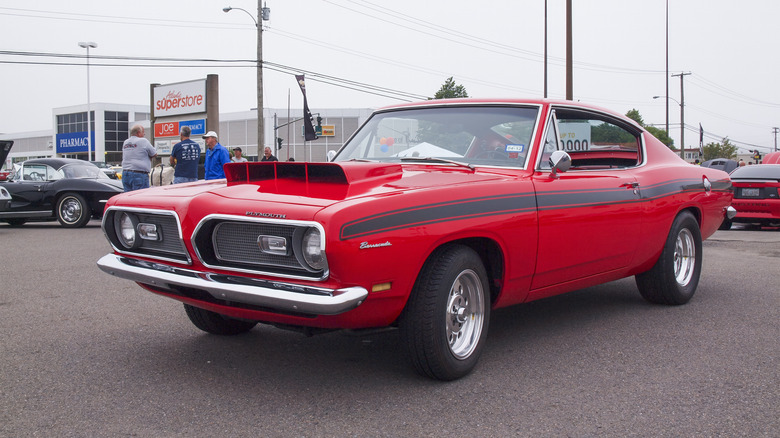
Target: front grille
column 236, row 242
column 231, row 243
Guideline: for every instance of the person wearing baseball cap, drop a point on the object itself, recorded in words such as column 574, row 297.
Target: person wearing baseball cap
column 216, row 156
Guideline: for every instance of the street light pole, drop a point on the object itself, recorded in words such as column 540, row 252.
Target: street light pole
column 263, row 14
column 682, row 114
column 88, row 45
column 682, row 122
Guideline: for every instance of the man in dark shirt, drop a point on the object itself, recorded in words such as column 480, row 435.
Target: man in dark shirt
column 267, row 155
column 185, row 156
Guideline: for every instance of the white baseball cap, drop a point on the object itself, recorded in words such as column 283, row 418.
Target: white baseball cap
column 210, row 134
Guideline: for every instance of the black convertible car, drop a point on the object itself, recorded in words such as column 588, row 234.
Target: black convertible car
column 71, row 191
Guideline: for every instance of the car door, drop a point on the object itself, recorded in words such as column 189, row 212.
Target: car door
column 590, row 216
column 29, row 188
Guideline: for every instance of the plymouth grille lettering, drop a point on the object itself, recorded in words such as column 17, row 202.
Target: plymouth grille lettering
column 266, row 215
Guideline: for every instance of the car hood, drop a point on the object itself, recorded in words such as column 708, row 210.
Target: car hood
column 306, row 184
column 5, row 148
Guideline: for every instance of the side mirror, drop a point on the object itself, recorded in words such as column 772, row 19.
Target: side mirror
column 331, row 155
column 560, row 161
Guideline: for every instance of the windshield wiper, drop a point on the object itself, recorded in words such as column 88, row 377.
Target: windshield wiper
column 438, row 160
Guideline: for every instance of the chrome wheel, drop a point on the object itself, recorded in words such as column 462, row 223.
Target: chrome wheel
column 73, row 211
column 684, row 257
column 675, row 275
column 70, row 210
column 465, row 312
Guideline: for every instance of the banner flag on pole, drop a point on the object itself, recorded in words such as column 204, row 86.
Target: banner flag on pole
column 308, row 127
column 701, row 140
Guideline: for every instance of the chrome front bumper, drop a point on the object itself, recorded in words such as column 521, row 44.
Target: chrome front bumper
column 278, row 296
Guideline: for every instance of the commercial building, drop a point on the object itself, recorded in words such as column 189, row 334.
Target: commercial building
column 111, row 124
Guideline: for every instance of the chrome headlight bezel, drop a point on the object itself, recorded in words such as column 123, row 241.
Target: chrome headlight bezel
column 125, row 227
column 311, row 250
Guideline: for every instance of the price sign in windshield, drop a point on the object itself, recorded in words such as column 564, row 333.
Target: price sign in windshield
column 575, row 137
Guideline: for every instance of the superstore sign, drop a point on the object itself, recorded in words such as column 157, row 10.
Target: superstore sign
column 180, row 98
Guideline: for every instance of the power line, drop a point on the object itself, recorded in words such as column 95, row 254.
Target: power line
column 209, row 62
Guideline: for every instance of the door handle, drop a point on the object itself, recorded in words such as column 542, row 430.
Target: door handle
column 631, row 185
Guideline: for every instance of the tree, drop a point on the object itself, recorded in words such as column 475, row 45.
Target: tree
column 634, row 115
column 450, row 90
column 658, row 133
column 662, row 136
column 719, row 150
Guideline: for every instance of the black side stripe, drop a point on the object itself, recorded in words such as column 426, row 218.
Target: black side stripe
column 515, row 203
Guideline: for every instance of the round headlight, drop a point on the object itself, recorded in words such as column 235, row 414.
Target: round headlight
column 125, row 226
column 313, row 254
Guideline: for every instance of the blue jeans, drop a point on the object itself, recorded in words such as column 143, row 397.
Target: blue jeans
column 135, row 181
column 183, row 179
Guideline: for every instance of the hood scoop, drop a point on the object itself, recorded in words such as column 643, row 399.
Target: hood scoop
column 330, row 180
column 313, row 173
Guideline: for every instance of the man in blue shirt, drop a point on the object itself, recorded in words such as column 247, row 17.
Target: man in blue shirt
column 216, row 156
column 185, row 156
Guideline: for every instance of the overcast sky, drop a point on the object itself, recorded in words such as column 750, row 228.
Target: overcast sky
column 492, row 47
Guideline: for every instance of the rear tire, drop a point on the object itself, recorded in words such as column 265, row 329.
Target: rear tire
column 674, row 277
column 216, row 324
column 73, row 211
column 444, row 325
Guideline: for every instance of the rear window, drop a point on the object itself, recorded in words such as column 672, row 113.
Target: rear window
column 760, row 171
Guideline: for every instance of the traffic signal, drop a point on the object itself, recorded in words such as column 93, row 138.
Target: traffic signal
column 278, row 143
column 756, row 155
column 319, row 121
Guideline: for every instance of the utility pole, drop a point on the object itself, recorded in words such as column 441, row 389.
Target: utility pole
column 774, row 131
column 667, row 67
column 545, row 49
column 682, row 114
column 569, row 56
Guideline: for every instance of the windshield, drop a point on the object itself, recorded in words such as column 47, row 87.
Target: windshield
column 478, row 135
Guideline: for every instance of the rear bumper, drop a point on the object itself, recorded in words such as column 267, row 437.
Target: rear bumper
column 278, row 296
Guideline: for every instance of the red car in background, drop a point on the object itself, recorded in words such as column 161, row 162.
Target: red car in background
column 429, row 217
column 771, row 158
column 756, row 196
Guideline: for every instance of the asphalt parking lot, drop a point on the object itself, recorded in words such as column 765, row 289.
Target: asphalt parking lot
column 85, row 354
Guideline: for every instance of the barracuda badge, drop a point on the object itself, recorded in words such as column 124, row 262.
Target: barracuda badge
column 366, row 245
column 266, row 215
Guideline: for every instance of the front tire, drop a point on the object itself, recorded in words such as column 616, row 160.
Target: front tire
column 73, row 211
column 444, row 325
column 674, row 277
column 216, row 324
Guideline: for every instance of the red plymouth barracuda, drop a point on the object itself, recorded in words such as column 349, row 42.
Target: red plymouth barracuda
column 430, row 216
